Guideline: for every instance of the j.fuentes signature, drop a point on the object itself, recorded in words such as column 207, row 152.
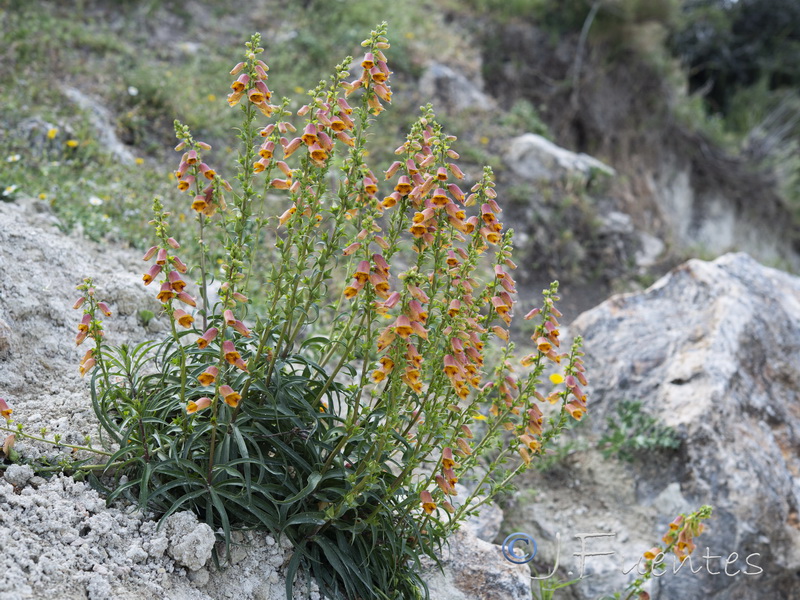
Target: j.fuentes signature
column 520, row 541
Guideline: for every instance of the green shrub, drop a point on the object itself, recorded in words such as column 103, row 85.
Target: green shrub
column 633, row 432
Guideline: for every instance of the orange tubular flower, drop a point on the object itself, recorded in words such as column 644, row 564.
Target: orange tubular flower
column 418, row 328
column 286, row 214
column 380, row 284
column 317, row 152
column 185, row 298
column 240, row 84
column 456, row 192
column 337, row 124
column 416, row 312
column 231, row 354
column 362, row 272
column 175, row 281
column 443, row 485
column 309, row 136
column 351, row 248
column 183, row 318
column 413, row 356
column 368, row 62
column 231, row 397
column 439, row 198
column 403, row 186
column 256, row 96
column 543, row 344
column 165, row 294
column 418, row 230
column 199, row 204
column 241, row 328
column 452, row 480
column 151, row 252
column 463, row 446
column 417, row 293
column 8, row 443
column 575, row 410
column 351, row 291
column 386, row 337
column 325, row 141
column 370, row 186
column 234, row 97
column 530, row 441
column 151, row 274
column 83, row 326
column 428, row 505
column 402, row 327
column 290, row 147
column 382, row 91
column 5, row 410
column 490, row 236
column 447, row 459
column 197, row 405
column 390, row 200
column 207, row 171
column 451, row 367
column 267, row 149
column 207, row 337
column 208, row 376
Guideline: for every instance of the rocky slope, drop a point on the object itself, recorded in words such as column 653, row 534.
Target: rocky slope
column 710, row 350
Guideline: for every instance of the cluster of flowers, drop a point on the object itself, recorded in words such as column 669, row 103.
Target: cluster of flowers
column 329, row 120
column 208, row 200
column 679, row 540
column 446, row 480
column 253, row 84
column 546, row 338
column 171, row 268
column 681, row 534
column 90, row 325
column 374, row 77
column 172, row 287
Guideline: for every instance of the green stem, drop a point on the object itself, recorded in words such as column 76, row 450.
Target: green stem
column 36, row 438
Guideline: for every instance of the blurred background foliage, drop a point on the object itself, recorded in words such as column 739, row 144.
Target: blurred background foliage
column 726, row 70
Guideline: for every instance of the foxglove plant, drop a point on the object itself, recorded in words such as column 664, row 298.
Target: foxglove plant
column 339, row 403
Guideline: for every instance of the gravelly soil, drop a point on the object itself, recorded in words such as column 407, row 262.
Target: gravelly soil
column 57, row 537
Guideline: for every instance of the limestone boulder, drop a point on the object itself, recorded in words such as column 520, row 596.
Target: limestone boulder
column 711, row 350
column 535, row 158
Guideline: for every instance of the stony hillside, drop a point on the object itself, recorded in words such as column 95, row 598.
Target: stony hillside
column 610, row 178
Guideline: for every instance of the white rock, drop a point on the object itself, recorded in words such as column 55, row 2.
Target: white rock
column 18, row 475
column 447, row 87
column 536, row 158
column 190, row 543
